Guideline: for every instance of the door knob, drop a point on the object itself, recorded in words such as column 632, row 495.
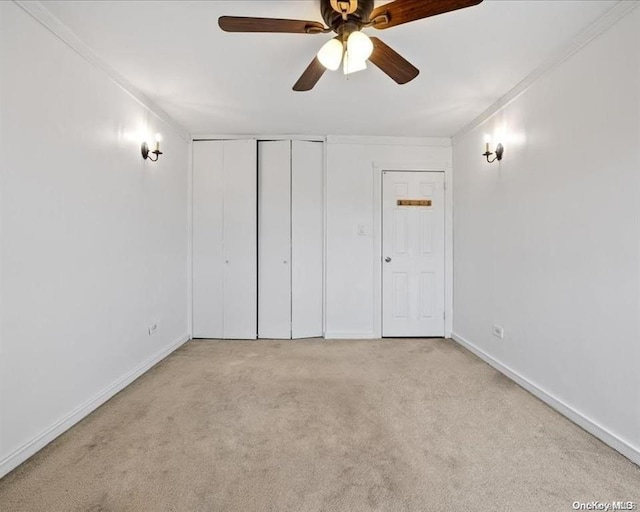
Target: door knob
column 387, row 259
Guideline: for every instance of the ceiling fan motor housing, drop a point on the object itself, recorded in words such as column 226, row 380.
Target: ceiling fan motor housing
column 334, row 19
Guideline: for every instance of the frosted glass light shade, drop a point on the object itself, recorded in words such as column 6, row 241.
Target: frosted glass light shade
column 352, row 65
column 359, row 46
column 330, row 55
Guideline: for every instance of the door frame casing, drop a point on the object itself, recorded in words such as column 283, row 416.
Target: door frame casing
column 378, row 169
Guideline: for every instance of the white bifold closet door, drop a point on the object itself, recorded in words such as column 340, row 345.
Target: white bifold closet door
column 224, row 239
column 290, row 239
column 274, row 239
column 307, row 238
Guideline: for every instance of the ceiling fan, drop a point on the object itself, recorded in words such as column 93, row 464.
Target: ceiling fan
column 351, row 47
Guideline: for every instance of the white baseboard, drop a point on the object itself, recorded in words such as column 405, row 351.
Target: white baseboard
column 16, row 458
column 349, row 335
column 629, row 451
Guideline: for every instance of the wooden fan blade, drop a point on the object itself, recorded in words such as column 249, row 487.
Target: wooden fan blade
column 404, row 11
column 392, row 63
column 244, row 24
column 310, row 77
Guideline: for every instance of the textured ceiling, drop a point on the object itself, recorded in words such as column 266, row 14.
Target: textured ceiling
column 213, row 82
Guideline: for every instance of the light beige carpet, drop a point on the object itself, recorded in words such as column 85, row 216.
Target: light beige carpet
column 393, row 425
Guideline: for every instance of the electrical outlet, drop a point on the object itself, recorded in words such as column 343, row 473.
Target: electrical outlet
column 153, row 328
column 498, row 331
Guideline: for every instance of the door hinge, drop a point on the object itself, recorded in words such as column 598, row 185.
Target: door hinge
column 444, row 185
column 444, row 315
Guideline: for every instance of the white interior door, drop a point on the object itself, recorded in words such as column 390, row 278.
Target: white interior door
column 224, row 239
column 240, row 239
column 413, row 253
column 274, row 239
column 208, row 255
column 307, row 238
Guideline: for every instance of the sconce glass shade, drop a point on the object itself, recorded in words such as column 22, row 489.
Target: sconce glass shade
column 330, row 55
column 359, row 46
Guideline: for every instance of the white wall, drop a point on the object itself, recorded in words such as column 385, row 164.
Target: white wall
column 93, row 242
column 546, row 244
column 352, row 271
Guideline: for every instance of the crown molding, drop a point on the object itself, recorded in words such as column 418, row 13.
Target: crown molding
column 597, row 28
column 376, row 140
column 196, row 137
column 46, row 18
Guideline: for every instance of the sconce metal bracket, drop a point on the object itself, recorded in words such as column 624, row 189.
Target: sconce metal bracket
column 144, row 149
column 498, row 153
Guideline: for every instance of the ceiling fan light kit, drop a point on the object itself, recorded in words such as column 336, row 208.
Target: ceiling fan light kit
column 359, row 46
column 352, row 47
column 330, row 55
column 353, row 64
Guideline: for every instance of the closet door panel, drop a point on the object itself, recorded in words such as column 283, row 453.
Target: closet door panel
column 208, row 255
column 240, row 239
column 307, row 239
column 274, row 239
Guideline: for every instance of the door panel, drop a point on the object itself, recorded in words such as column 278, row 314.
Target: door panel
column 426, row 232
column 240, row 239
column 274, row 239
column 307, row 238
column 400, row 295
column 400, row 232
column 413, row 244
column 428, row 302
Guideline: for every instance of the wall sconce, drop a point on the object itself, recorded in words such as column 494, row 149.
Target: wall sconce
column 498, row 152
column 144, row 149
